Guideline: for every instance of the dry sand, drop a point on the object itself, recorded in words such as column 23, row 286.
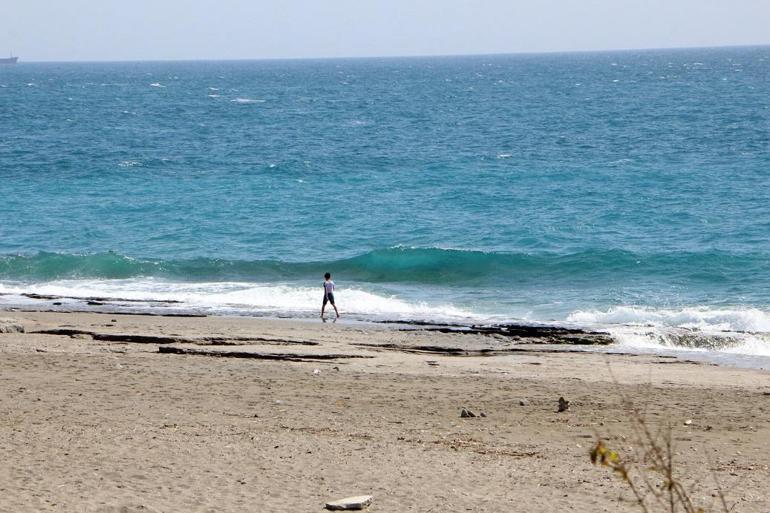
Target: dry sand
column 90, row 423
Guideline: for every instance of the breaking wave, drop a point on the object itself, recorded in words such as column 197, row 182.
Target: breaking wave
column 400, row 264
column 227, row 298
column 275, row 287
column 737, row 330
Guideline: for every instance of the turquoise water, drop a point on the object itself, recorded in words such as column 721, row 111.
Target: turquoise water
column 627, row 190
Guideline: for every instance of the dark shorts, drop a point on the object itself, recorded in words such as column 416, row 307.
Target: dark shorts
column 329, row 298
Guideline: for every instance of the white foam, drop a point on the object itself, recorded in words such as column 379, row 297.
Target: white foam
column 156, row 84
column 704, row 318
column 730, row 332
column 244, row 298
column 740, row 331
column 247, row 100
column 657, row 338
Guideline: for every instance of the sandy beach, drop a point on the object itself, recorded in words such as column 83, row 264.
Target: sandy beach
column 242, row 414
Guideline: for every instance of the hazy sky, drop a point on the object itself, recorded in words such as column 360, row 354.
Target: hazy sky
column 243, row 29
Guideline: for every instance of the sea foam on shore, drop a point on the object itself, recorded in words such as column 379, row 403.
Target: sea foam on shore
column 737, row 330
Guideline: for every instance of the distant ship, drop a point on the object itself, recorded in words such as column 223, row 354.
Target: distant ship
column 8, row 60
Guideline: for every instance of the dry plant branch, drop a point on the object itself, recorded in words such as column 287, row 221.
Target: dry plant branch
column 655, row 486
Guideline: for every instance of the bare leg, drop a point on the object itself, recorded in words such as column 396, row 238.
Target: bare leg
column 336, row 311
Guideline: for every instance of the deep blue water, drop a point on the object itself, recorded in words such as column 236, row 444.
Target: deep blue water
column 613, row 188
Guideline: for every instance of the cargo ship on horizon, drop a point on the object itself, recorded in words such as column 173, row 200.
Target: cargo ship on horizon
column 9, row 60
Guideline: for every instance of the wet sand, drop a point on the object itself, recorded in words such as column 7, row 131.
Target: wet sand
column 280, row 416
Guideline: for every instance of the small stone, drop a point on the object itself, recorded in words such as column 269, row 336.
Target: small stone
column 482, row 414
column 466, row 413
column 350, row 503
column 316, row 371
column 563, row 404
column 688, row 422
column 523, row 402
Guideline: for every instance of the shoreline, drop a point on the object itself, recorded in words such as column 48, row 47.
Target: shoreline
column 148, row 414
column 600, row 339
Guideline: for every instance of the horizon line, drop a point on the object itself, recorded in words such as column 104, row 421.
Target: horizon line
column 413, row 56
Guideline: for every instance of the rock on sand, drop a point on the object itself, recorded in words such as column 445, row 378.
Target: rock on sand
column 350, row 503
column 9, row 326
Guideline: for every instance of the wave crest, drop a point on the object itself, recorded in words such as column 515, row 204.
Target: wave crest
column 401, row 264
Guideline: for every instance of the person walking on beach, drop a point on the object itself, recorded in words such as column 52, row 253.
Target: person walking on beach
column 329, row 295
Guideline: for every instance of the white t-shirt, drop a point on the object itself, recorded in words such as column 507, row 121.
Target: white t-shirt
column 328, row 287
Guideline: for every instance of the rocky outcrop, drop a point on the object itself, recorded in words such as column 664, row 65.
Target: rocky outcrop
column 532, row 334
column 163, row 339
column 287, row 357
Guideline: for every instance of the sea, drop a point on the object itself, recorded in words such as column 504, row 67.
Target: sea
column 623, row 191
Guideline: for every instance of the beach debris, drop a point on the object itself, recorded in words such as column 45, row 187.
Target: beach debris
column 316, row 371
column 9, row 326
column 523, row 402
column 482, row 414
column 563, row 404
column 432, row 363
column 465, row 413
column 688, row 422
column 350, row 503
